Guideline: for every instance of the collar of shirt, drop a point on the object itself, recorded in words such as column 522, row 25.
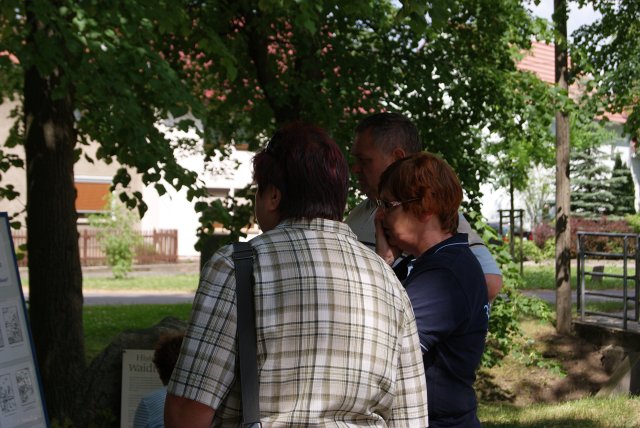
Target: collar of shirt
column 320, row 224
column 455, row 240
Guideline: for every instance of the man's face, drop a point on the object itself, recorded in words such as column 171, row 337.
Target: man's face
column 369, row 163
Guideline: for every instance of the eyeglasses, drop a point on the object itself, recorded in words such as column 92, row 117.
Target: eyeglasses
column 388, row 205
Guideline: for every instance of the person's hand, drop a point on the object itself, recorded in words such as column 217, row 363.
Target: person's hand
column 385, row 250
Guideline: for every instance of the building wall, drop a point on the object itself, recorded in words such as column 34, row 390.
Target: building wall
column 92, row 179
column 174, row 211
column 170, row 211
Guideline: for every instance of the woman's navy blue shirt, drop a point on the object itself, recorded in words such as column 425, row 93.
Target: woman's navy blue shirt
column 448, row 292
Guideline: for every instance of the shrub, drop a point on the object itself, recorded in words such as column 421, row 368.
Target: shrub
column 634, row 222
column 504, row 334
column 531, row 252
column 598, row 243
column 544, row 235
column 117, row 237
column 543, row 232
column 549, row 250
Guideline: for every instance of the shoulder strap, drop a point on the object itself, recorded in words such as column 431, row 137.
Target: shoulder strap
column 243, row 260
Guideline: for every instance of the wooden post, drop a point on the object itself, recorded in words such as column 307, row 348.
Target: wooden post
column 85, row 245
column 174, row 252
column 563, row 192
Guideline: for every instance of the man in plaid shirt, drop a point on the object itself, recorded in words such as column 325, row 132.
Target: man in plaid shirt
column 336, row 336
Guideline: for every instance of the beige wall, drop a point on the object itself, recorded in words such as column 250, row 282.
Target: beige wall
column 170, row 211
column 84, row 171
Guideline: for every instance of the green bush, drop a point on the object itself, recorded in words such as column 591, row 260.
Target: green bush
column 510, row 306
column 117, row 236
column 549, row 249
column 634, row 222
column 531, row 252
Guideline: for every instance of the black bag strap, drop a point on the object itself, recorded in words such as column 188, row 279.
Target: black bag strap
column 243, row 260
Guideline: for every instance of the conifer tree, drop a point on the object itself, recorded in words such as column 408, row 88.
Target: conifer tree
column 621, row 188
column 590, row 193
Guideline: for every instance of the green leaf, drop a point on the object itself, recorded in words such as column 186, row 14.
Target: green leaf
column 160, row 189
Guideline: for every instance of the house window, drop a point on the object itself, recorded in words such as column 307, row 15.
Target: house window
column 91, row 195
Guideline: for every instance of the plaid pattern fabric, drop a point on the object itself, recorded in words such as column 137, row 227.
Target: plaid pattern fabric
column 337, row 339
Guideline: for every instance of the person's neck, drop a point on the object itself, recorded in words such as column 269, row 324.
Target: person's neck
column 431, row 239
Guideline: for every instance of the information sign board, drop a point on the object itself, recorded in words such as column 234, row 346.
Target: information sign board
column 21, row 397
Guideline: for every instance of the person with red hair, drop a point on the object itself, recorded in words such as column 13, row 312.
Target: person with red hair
column 381, row 139
column 418, row 214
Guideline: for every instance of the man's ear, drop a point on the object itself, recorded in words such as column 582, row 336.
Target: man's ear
column 274, row 196
column 398, row 153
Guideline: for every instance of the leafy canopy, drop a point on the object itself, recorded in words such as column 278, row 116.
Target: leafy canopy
column 607, row 52
column 242, row 68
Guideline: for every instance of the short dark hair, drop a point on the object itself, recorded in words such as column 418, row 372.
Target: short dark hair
column 308, row 168
column 430, row 178
column 166, row 354
column 391, row 130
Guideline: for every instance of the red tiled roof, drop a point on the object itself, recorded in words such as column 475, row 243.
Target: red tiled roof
column 541, row 61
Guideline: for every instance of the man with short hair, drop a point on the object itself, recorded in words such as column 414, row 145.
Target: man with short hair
column 380, row 140
column 337, row 341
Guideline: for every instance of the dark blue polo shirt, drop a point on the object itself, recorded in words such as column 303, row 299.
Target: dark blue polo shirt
column 449, row 296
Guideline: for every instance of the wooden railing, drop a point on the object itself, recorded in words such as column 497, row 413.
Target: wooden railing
column 158, row 246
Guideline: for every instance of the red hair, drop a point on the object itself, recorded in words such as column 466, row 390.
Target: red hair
column 429, row 178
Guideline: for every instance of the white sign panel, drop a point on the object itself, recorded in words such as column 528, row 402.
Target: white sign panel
column 21, row 398
column 139, row 377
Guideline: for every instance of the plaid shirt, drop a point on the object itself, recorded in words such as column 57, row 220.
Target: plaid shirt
column 336, row 335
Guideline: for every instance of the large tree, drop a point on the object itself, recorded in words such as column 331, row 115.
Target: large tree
column 607, row 53
column 83, row 71
column 523, row 144
column 110, row 71
column 450, row 65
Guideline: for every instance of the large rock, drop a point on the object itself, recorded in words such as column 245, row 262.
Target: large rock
column 100, row 399
column 625, row 379
column 612, row 357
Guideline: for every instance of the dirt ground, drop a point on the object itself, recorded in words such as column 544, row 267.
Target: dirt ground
column 567, row 368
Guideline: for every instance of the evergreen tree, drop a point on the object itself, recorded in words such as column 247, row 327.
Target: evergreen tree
column 621, row 188
column 590, row 193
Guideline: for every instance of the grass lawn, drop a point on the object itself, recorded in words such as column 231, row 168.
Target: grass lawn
column 176, row 283
column 542, row 276
column 103, row 323
column 590, row 412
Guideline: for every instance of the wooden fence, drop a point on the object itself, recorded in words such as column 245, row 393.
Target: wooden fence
column 158, row 246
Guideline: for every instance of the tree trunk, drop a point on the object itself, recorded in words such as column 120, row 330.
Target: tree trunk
column 563, row 204
column 55, row 275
